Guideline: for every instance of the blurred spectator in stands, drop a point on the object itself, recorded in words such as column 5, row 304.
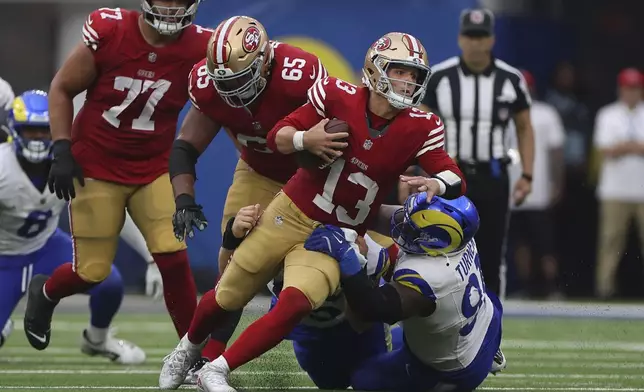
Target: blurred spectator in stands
column 619, row 136
column 532, row 231
column 562, row 95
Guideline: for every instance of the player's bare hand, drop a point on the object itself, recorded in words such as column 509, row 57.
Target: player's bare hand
column 245, row 220
column 187, row 216
column 522, row 189
column 422, row 184
column 64, row 169
column 325, row 145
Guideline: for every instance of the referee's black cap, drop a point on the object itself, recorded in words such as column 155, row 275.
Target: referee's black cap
column 477, row 22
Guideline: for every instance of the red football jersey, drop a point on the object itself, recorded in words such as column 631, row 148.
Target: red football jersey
column 125, row 130
column 349, row 193
column 293, row 72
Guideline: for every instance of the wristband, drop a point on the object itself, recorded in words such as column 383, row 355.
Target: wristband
column 229, row 241
column 298, row 140
column 526, row 176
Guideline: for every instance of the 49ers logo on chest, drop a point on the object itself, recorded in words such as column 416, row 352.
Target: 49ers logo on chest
column 251, row 39
column 382, row 44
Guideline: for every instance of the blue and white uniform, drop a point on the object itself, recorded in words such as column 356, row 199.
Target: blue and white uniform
column 31, row 242
column 453, row 348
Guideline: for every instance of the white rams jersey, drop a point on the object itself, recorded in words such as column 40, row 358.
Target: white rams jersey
column 450, row 338
column 27, row 217
column 332, row 311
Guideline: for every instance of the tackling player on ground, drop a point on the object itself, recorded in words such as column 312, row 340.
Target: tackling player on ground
column 386, row 137
column 451, row 325
column 30, row 243
column 134, row 66
column 246, row 84
column 329, row 343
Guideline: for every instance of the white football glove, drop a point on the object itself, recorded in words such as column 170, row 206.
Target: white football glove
column 153, row 282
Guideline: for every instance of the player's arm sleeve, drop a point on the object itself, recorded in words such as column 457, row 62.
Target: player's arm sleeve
column 435, row 161
column 306, row 116
column 523, row 100
column 98, row 28
column 406, row 296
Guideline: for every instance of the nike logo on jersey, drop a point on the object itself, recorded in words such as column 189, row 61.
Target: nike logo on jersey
column 90, row 21
column 313, row 75
column 41, row 339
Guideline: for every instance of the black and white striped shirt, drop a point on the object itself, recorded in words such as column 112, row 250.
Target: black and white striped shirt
column 476, row 108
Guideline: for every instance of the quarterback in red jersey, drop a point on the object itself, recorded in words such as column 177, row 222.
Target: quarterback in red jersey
column 387, row 135
column 246, row 84
column 135, row 67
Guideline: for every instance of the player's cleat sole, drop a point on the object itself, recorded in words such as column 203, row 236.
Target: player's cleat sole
column 499, row 363
column 38, row 314
column 117, row 350
column 193, row 373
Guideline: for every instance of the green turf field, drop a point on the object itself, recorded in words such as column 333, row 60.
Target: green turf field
column 543, row 355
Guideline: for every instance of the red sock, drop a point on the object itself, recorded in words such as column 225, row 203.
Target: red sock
column 65, row 282
column 179, row 289
column 268, row 331
column 214, row 348
column 208, row 316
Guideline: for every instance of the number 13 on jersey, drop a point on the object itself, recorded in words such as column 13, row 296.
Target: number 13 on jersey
column 325, row 200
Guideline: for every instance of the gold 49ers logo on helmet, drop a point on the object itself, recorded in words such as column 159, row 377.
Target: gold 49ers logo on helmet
column 252, row 37
column 382, row 44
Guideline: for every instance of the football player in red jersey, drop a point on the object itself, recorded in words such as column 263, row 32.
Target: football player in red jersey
column 246, row 84
column 388, row 134
column 135, row 67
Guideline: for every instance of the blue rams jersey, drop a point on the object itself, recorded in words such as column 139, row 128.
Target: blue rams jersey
column 27, row 217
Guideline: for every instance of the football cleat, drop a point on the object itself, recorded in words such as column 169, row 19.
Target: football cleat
column 499, row 362
column 193, row 373
column 117, row 350
column 213, row 377
column 6, row 331
column 38, row 314
column 178, row 363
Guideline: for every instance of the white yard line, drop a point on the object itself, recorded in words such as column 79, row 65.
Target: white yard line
column 526, row 389
column 501, row 377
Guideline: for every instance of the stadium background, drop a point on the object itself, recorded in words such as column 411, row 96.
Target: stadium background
column 598, row 37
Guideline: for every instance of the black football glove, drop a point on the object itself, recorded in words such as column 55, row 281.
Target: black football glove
column 64, row 169
column 187, row 215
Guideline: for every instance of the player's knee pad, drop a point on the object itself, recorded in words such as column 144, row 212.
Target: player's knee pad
column 231, row 292
column 94, row 270
column 231, row 298
column 316, row 285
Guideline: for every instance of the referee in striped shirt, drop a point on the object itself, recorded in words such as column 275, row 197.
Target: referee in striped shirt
column 476, row 95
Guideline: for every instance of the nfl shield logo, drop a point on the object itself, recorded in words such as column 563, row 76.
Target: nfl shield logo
column 152, row 57
column 257, row 126
column 367, row 144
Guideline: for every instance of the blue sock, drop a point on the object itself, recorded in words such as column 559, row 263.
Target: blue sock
column 105, row 300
